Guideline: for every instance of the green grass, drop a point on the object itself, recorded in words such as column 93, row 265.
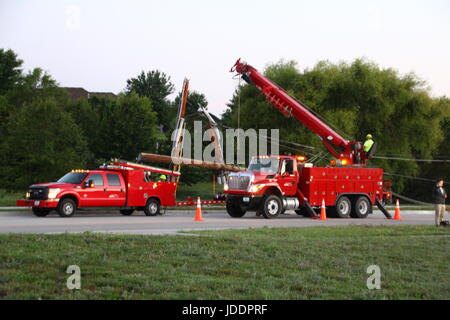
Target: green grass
column 202, row 189
column 266, row 263
column 8, row 198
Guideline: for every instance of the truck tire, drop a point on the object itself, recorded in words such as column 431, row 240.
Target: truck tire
column 66, row 207
column 127, row 212
column 235, row 210
column 361, row 208
column 151, row 207
column 272, row 206
column 41, row 212
column 343, row 208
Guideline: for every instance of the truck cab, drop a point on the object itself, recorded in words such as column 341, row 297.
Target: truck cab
column 268, row 186
column 123, row 185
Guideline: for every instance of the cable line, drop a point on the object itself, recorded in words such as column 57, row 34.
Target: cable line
column 410, row 159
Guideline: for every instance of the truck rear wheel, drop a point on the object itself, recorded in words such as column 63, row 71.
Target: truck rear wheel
column 66, row 207
column 235, row 210
column 127, row 212
column 41, row 212
column 361, row 208
column 272, row 206
column 343, row 207
column 151, row 207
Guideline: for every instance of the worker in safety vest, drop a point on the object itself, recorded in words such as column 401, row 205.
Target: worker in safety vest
column 369, row 143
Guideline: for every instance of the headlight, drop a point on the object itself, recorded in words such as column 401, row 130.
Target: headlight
column 256, row 187
column 27, row 195
column 52, row 193
column 225, row 187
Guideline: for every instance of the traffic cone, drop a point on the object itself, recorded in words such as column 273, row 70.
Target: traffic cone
column 323, row 211
column 198, row 211
column 397, row 211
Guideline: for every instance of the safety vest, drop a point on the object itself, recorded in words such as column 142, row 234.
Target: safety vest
column 368, row 144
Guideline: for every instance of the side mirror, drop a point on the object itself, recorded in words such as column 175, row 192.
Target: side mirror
column 285, row 174
column 88, row 184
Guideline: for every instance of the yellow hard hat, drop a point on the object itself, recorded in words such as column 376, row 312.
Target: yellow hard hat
column 369, row 136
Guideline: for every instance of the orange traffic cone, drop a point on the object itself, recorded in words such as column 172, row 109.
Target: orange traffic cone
column 323, row 211
column 397, row 211
column 198, row 211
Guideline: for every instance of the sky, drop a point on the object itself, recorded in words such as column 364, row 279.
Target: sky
column 98, row 45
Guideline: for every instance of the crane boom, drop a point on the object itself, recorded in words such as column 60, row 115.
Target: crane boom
column 350, row 151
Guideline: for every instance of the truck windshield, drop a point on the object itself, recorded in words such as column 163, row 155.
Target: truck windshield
column 73, row 177
column 264, row 165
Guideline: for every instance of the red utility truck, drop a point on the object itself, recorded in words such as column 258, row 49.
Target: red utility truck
column 125, row 185
column 273, row 184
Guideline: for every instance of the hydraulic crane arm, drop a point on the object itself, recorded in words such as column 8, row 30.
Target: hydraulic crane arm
column 350, row 151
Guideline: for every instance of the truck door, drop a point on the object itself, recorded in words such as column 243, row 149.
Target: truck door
column 95, row 196
column 288, row 177
column 115, row 191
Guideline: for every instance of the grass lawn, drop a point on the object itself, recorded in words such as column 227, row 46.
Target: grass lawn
column 8, row 198
column 266, row 263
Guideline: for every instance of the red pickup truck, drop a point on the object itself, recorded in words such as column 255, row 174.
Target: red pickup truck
column 125, row 185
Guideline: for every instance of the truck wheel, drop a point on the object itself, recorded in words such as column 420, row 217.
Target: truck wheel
column 272, row 207
column 41, row 212
column 127, row 212
column 66, row 208
column 235, row 210
column 343, row 207
column 361, row 208
column 152, row 207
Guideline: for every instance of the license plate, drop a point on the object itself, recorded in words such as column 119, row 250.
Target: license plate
column 246, row 199
column 36, row 203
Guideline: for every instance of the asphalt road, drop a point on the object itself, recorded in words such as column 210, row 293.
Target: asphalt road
column 175, row 221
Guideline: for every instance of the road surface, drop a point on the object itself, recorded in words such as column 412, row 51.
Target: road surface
column 176, row 221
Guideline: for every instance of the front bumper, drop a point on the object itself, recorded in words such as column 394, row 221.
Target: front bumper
column 246, row 202
column 38, row 203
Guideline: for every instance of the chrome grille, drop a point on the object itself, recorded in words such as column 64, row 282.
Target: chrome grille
column 238, row 182
column 38, row 193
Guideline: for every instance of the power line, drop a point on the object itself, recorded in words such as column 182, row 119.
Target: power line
column 411, row 200
column 410, row 159
column 409, row 155
column 410, row 177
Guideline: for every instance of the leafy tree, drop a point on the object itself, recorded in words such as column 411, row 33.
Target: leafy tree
column 10, row 72
column 36, row 84
column 193, row 175
column 42, row 143
column 156, row 86
column 118, row 127
column 421, row 189
column 86, row 115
